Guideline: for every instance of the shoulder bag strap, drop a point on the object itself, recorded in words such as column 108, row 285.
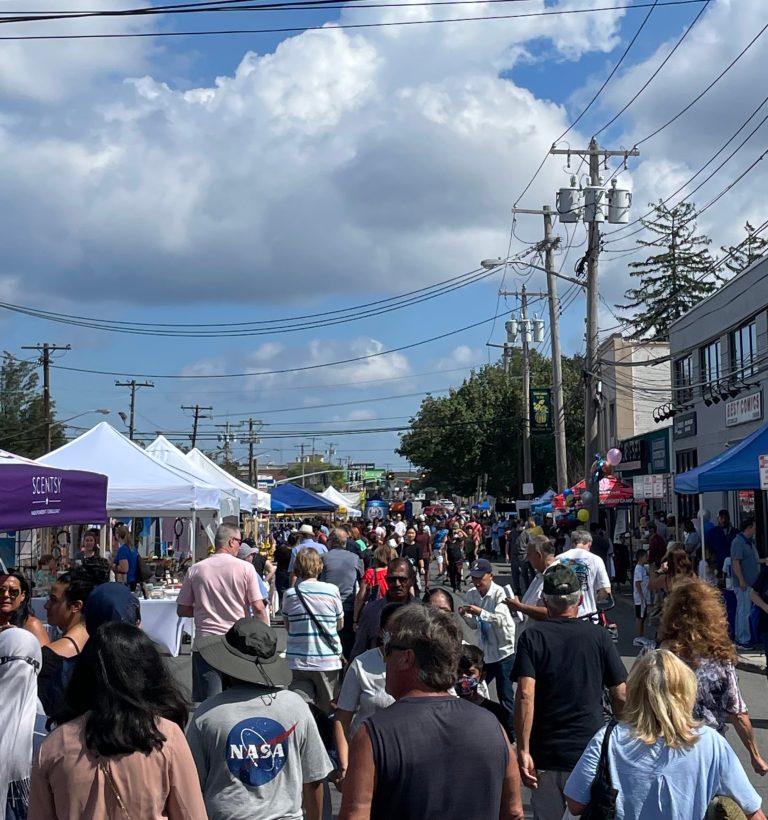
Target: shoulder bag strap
column 108, row 776
column 603, row 762
column 324, row 633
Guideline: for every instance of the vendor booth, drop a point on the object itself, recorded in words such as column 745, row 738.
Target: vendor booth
column 293, row 498
column 735, row 469
column 33, row 496
column 343, row 501
column 250, row 497
column 162, row 450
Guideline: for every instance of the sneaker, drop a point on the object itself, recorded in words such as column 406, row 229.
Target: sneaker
column 743, row 647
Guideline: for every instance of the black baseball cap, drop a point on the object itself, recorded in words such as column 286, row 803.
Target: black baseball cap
column 560, row 580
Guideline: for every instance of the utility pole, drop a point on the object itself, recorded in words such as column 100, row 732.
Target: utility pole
column 525, row 329
column 45, row 360
column 548, row 246
column 561, row 453
column 526, row 389
column 226, row 438
column 303, row 465
column 253, row 472
column 598, row 201
column 198, row 415
column 134, row 385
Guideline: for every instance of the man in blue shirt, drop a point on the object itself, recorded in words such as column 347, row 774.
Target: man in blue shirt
column 306, row 539
column 719, row 538
column 745, row 562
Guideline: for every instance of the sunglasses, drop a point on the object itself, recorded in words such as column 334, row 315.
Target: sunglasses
column 11, row 592
column 397, row 579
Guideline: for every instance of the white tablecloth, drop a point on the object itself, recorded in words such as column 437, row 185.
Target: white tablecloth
column 158, row 620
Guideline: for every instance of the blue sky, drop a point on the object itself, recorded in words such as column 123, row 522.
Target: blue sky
column 239, row 179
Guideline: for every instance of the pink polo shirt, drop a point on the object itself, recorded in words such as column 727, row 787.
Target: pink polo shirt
column 221, row 589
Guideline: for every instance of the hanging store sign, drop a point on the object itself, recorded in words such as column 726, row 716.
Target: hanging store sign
column 684, row 426
column 631, row 455
column 744, row 409
column 763, row 464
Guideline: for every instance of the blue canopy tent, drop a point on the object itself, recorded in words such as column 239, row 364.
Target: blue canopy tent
column 292, row 498
column 735, row 469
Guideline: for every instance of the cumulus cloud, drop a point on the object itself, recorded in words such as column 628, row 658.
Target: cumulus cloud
column 461, row 356
column 342, row 162
column 276, row 360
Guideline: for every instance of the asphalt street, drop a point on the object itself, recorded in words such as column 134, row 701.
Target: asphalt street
column 752, row 678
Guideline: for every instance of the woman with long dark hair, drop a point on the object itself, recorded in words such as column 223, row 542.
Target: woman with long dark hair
column 122, row 753
column 66, row 610
column 16, row 606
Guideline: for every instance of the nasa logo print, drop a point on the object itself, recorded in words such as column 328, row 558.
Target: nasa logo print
column 257, row 750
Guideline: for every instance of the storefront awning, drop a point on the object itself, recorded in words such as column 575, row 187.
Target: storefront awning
column 735, row 469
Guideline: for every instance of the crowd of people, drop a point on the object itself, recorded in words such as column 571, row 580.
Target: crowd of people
column 410, row 680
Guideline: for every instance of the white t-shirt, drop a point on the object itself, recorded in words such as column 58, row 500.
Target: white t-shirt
column 532, row 597
column 400, row 528
column 363, row 689
column 641, row 575
column 592, row 573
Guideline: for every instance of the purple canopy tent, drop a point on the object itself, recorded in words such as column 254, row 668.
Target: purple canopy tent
column 32, row 495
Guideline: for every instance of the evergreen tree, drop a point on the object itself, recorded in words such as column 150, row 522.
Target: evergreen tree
column 749, row 250
column 677, row 275
column 22, row 421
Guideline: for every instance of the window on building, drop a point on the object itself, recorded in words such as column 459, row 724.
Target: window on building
column 684, row 379
column 709, row 366
column 687, row 505
column 744, row 351
column 612, row 423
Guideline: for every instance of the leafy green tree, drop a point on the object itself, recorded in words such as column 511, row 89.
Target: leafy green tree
column 477, row 430
column 749, row 250
column 22, row 420
column 338, row 478
column 677, row 275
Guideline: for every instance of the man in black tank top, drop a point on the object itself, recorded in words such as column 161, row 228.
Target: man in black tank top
column 390, row 774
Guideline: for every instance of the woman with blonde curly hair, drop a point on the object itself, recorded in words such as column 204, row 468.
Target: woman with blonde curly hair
column 694, row 627
column 662, row 761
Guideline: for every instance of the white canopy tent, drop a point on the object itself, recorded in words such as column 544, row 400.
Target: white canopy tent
column 162, row 450
column 250, row 497
column 342, row 500
column 138, row 484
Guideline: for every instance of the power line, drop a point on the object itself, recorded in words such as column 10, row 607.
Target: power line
column 706, row 90
column 656, row 72
column 703, row 167
column 651, row 8
column 384, row 24
column 287, row 325
column 285, row 369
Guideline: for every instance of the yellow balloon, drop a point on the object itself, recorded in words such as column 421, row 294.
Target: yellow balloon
column 583, row 515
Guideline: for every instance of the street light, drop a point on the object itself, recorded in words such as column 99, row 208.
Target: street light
column 490, row 264
column 102, row 410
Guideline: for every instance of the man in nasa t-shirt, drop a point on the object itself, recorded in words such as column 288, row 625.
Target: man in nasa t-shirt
column 590, row 569
column 256, row 746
